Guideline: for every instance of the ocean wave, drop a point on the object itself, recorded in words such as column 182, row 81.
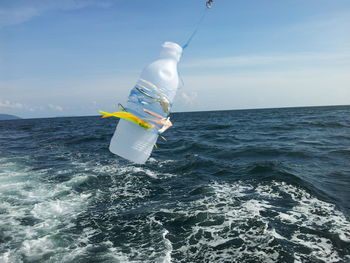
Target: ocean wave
column 236, row 186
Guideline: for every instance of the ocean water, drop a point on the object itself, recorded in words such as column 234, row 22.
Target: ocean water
column 269, row 185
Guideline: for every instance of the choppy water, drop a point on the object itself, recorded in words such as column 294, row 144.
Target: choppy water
column 232, row 186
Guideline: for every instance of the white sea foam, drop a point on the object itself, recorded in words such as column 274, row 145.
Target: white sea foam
column 233, row 222
column 35, row 213
column 118, row 170
column 167, row 243
column 317, row 213
column 242, row 221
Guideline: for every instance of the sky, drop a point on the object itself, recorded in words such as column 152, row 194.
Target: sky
column 75, row 57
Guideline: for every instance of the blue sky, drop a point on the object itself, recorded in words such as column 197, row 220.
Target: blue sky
column 74, row 57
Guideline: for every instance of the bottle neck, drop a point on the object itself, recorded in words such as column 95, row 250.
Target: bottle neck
column 174, row 57
column 171, row 51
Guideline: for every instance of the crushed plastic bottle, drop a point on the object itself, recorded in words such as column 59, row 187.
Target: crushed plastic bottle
column 154, row 92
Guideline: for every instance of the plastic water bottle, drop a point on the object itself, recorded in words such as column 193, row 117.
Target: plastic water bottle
column 131, row 141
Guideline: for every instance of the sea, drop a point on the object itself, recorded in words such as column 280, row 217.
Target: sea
column 265, row 185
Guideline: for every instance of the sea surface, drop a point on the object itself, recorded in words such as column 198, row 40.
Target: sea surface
column 269, row 185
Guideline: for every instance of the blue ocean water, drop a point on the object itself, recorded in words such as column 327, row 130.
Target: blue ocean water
column 270, row 185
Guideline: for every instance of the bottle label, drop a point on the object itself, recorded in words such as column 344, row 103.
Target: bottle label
column 150, row 103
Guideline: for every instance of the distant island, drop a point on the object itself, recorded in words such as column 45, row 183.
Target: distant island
column 8, row 117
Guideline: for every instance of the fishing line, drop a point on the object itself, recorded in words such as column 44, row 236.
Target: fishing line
column 196, row 28
column 205, row 11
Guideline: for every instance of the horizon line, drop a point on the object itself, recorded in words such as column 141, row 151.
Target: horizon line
column 176, row 112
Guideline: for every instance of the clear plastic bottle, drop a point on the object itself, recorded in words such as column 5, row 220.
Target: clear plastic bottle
column 131, row 141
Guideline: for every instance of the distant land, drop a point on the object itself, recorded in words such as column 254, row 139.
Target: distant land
column 8, row 117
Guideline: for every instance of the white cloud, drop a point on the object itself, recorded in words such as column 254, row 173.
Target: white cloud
column 26, row 110
column 16, row 16
column 55, row 107
column 6, row 104
column 330, row 29
column 76, row 97
column 21, row 11
column 262, row 89
column 288, row 59
column 188, row 97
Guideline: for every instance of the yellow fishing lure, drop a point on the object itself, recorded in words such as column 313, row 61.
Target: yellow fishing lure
column 128, row 116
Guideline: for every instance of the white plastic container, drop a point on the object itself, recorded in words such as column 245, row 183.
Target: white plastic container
column 131, row 141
